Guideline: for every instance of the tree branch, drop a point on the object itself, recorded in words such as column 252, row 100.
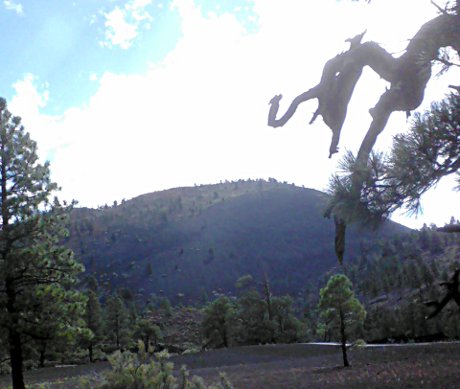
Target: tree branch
column 408, row 76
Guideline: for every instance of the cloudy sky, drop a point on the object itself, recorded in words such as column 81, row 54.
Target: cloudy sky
column 130, row 97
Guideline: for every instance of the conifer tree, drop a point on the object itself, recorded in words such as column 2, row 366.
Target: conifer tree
column 117, row 322
column 93, row 322
column 341, row 309
column 59, row 321
column 219, row 322
column 33, row 264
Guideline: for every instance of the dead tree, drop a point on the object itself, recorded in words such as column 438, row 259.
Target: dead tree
column 408, row 76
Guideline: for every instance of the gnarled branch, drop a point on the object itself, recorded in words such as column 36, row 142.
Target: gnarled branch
column 408, row 76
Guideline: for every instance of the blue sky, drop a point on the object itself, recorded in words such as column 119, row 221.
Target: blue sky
column 130, row 97
column 66, row 44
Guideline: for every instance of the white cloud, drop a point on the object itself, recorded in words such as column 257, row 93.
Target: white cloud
column 200, row 115
column 13, row 6
column 123, row 24
column 27, row 94
column 31, row 96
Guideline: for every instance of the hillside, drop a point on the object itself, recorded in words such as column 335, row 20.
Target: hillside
column 190, row 243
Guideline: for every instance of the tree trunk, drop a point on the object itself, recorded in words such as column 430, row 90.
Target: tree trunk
column 42, row 354
column 268, row 300
column 90, row 352
column 268, row 297
column 16, row 359
column 14, row 337
column 117, row 334
column 343, row 340
column 225, row 338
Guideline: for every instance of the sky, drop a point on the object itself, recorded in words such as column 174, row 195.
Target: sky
column 130, row 97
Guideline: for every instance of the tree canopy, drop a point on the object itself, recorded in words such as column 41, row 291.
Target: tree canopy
column 340, row 309
column 36, row 271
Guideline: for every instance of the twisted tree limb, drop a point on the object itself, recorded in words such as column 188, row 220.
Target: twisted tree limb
column 408, row 76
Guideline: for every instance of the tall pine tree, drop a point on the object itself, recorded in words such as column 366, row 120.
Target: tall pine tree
column 33, row 264
column 94, row 322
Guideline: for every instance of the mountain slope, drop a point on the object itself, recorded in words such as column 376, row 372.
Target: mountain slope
column 188, row 243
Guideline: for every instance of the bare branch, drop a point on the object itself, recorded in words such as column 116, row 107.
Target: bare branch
column 441, row 10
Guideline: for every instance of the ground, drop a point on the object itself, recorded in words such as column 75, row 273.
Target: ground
column 435, row 365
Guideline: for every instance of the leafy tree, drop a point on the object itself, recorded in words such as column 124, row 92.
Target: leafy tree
column 92, row 283
column 244, row 281
column 165, row 305
column 254, row 324
column 264, row 318
column 148, row 332
column 33, row 264
column 288, row 327
column 341, row 309
column 219, row 322
column 149, row 269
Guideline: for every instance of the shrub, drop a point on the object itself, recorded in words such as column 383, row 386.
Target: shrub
column 140, row 371
column 359, row 343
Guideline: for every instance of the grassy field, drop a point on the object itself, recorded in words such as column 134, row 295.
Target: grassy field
column 300, row 366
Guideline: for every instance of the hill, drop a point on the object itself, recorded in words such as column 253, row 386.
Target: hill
column 191, row 243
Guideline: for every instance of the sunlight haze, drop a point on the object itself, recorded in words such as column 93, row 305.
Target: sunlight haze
column 130, row 97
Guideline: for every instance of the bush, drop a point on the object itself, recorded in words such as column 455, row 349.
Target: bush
column 359, row 343
column 5, row 367
column 136, row 371
column 140, row 371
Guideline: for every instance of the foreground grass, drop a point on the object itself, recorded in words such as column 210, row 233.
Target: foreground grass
column 300, row 366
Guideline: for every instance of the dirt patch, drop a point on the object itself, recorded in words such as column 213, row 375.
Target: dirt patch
column 301, row 366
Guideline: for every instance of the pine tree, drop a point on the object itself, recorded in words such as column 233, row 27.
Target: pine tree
column 93, row 322
column 254, row 324
column 219, row 322
column 33, row 264
column 148, row 332
column 58, row 321
column 341, row 309
column 117, row 322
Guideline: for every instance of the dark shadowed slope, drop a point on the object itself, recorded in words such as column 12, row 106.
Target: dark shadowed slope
column 191, row 243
